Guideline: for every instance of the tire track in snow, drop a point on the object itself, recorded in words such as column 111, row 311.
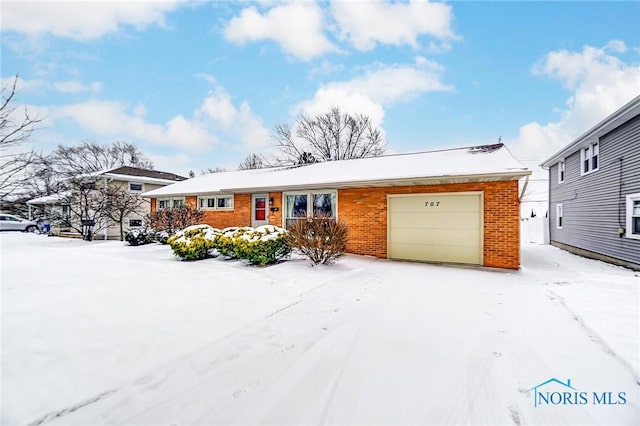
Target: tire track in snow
column 60, row 413
column 593, row 336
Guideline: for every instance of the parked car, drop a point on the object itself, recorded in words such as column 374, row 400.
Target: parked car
column 9, row 222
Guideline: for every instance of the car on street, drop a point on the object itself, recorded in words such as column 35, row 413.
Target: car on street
column 9, row 222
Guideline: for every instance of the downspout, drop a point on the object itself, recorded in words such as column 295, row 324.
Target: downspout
column 30, row 215
column 106, row 229
column 524, row 188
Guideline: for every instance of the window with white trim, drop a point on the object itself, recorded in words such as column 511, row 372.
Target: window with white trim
column 559, row 216
column 590, row 158
column 560, row 171
column 136, row 187
column 633, row 216
column 308, row 204
column 170, row 203
column 219, row 202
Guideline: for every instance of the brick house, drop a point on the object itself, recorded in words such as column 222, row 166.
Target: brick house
column 450, row 206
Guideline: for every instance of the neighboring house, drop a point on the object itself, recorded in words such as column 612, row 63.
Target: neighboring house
column 132, row 179
column 594, row 190
column 453, row 206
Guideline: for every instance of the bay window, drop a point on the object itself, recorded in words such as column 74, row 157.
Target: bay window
column 309, row 204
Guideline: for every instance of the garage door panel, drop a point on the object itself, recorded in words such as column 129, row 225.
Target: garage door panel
column 436, row 227
column 443, row 203
column 439, row 220
column 454, row 237
column 435, row 253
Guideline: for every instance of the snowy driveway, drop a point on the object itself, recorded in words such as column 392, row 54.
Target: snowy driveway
column 107, row 334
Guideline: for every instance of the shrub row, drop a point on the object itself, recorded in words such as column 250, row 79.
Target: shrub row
column 141, row 236
column 261, row 246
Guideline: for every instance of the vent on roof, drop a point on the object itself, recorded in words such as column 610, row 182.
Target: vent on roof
column 485, row 148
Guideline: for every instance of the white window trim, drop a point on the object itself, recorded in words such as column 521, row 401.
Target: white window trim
column 136, row 183
column 562, row 174
column 171, row 200
column 630, row 199
column 308, row 194
column 136, row 226
column 559, row 215
column 592, row 147
column 215, row 197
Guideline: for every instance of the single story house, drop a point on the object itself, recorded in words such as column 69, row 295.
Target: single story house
column 594, row 190
column 451, row 206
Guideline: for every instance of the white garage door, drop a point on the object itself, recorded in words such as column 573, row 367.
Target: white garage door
column 436, row 227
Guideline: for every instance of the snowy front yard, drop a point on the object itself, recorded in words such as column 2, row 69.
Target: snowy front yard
column 103, row 333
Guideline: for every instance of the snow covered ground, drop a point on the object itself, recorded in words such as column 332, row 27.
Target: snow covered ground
column 102, row 333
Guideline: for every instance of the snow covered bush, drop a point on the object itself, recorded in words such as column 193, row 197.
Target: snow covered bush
column 161, row 236
column 138, row 237
column 225, row 241
column 263, row 245
column 321, row 239
column 193, row 242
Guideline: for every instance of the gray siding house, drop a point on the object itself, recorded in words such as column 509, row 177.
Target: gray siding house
column 594, row 190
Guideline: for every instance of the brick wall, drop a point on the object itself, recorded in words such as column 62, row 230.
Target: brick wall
column 364, row 210
column 275, row 218
column 239, row 216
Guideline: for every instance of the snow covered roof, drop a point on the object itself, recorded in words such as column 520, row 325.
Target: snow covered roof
column 469, row 164
column 51, row 199
column 128, row 173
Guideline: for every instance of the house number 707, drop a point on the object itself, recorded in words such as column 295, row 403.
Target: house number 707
column 431, row 203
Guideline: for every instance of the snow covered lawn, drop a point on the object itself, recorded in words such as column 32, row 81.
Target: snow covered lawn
column 103, row 333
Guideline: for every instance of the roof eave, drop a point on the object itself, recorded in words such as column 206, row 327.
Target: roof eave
column 142, row 179
column 611, row 122
column 413, row 181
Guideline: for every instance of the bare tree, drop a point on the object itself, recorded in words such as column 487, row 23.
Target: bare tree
column 213, row 170
column 88, row 209
column 15, row 129
column 121, row 203
column 90, row 157
column 252, row 161
column 334, row 135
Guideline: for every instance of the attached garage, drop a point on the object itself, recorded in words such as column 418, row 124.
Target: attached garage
column 444, row 227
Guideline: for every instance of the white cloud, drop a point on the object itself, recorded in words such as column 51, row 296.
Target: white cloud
column 377, row 88
column 35, row 85
column 178, row 163
column 601, row 83
column 389, row 84
column 214, row 121
column 348, row 101
column 113, row 119
column 82, row 20
column 239, row 124
column 296, row 27
column 75, row 87
column 368, row 23
column 41, row 86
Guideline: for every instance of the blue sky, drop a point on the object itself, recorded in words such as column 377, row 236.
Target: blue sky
column 202, row 84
